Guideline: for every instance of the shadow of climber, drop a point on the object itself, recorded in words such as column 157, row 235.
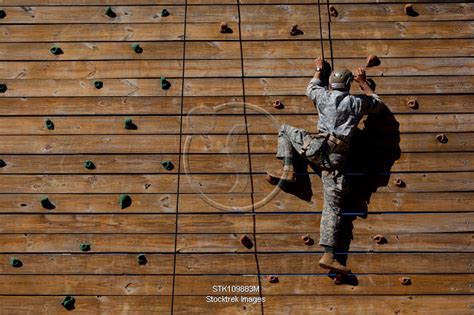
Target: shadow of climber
column 374, row 150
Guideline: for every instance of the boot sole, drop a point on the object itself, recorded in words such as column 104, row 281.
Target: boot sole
column 323, row 265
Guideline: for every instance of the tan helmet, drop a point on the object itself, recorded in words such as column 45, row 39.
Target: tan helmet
column 340, row 79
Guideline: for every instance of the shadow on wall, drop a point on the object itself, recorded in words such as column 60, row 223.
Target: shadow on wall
column 373, row 152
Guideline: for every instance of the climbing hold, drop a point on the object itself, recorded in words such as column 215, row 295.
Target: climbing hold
column 246, row 241
column 3, row 14
column 295, row 31
column 110, row 13
column 68, row 302
column 410, row 11
column 167, row 165
column 3, row 88
column 56, row 50
column 379, row 239
column 272, row 180
column 98, row 84
column 278, row 104
column 164, row 13
column 225, row 29
column 405, row 280
column 141, row 259
column 307, row 239
column 413, row 104
column 89, row 164
column 333, row 12
column 165, row 84
column 137, row 48
column 124, row 201
column 442, row 138
column 372, row 61
column 15, row 262
column 128, row 124
column 85, row 247
column 47, row 204
column 399, row 182
column 49, row 124
column 272, row 279
column 2, row 163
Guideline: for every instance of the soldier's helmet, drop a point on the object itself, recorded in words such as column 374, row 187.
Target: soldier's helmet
column 340, row 79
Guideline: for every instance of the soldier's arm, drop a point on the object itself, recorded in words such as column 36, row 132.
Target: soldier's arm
column 316, row 86
column 371, row 102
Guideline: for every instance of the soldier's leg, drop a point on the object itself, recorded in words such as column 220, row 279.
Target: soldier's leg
column 290, row 140
column 334, row 189
column 334, row 186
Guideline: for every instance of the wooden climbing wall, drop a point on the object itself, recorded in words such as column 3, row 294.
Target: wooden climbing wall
column 188, row 221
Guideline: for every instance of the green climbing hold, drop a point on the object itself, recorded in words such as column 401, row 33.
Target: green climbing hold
column 56, row 50
column 141, row 259
column 89, row 164
column 68, row 302
column 2, row 163
column 98, row 84
column 47, row 204
column 15, row 262
column 137, row 48
column 3, row 88
column 124, row 201
column 128, row 124
column 3, row 14
column 165, row 84
column 165, row 12
column 85, row 247
column 110, row 13
column 167, row 165
column 49, row 124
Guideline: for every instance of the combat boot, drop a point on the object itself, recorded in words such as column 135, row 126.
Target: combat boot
column 273, row 177
column 329, row 262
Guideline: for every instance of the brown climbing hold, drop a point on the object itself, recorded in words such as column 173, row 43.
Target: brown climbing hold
column 410, row 11
column 405, row 280
column 442, row 138
column 278, row 104
column 399, row 182
column 295, row 31
column 372, row 61
column 224, row 28
column 307, row 239
column 380, row 239
column 333, row 12
column 413, row 104
column 272, row 279
column 246, row 241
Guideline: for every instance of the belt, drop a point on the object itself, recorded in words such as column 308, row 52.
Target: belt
column 335, row 144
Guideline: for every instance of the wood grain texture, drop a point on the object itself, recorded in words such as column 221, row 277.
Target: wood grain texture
column 92, row 14
column 91, row 32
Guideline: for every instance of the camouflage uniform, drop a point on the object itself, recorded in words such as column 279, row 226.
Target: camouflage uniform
column 339, row 114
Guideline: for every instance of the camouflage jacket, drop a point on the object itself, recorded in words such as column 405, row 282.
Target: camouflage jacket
column 340, row 112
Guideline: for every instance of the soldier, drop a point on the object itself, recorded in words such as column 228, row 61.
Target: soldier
column 339, row 114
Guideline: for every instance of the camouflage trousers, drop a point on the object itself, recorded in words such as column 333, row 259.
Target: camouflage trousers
column 290, row 140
